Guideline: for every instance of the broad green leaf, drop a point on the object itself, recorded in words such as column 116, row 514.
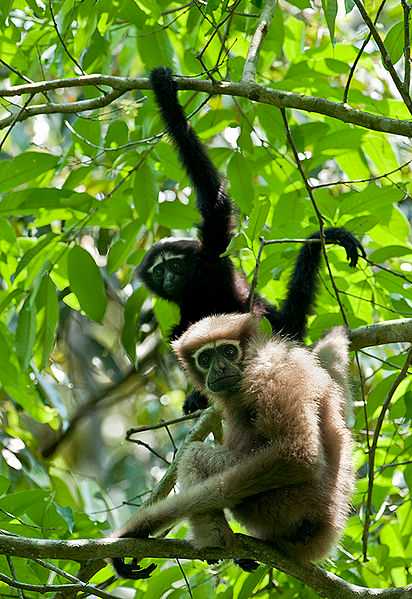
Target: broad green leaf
column 145, row 192
column 7, row 232
column 86, row 283
column 32, row 252
column 394, row 42
column 390, row 251
column 117, row 134
column 26, row 332
column 24, row 168
column 155, row 48
column 176, row 215
column 31, row 201
column 258, row 218
column 167, row 315
column 241, row 182
column 121, row 248
column 132, row 311
column 18, row 384
column 48, row 310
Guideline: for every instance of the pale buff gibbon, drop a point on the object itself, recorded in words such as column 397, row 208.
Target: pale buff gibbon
column 284, row 469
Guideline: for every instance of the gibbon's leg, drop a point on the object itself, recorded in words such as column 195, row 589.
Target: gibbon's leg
column 257, row 473
column 198, row 463
column 304, row 279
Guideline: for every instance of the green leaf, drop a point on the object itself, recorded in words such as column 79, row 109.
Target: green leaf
column 167, row 315
column 390, row 251
column 48, row 309
column 330, row 8
column 258, row 218
column 117, row 134
column 121, row 248
column 265, row 327
column 32, row 252
column 145, row 192
column 18, row 384
column 130, row 332
column 26, row 332
column 86, row 283
column 394, row 42
column 175, row 215
column 25, row 167
column 241, row 185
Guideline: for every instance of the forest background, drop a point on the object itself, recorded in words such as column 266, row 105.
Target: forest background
column 89, row 181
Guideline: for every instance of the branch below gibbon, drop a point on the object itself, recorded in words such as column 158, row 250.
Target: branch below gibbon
column 324, row 583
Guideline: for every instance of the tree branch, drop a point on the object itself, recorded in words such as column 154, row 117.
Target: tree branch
column 324, row 583
column 249, row 71
column 256, row 93
column 389, row 331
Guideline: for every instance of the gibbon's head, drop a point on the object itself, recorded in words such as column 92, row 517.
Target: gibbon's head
column 212, row 351
column 169, row 266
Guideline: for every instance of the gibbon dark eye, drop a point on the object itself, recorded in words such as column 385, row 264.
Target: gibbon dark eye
column 205, row 358
column 158, row 272
column 230, row 351
column 175, row 266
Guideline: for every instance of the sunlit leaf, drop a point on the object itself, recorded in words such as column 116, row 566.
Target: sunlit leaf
column 86, row 283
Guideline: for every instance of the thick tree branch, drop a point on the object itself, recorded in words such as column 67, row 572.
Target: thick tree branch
column 249, row 71
column 257, row 93
column 389, row 331
column 324, row 583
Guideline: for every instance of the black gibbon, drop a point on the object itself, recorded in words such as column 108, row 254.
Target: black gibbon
column 284, row 469
column 193, row 274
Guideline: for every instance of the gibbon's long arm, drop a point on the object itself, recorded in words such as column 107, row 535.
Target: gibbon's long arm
column 263, row 471
column 213, row 204
column 303, row 282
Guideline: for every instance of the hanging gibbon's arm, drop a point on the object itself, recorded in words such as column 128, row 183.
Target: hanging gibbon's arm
column 213, row 204
column 303, row 283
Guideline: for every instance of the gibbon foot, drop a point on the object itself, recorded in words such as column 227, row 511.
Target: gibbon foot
column 132, row 570
column 195, row 401
column 248, row 565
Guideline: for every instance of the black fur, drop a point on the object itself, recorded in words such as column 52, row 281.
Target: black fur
column 212, row 286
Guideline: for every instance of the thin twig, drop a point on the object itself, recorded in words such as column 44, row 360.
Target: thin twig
column 149, row 448
column 358, row 57
column 162, row 424
column 368, row 180
column 256, row 274
column 63, row 43
column 407, row 44
column 15, row 71
column 14, row 120
column 371, row 458
column 385, row 56
column 249, row 71
column 317, row 212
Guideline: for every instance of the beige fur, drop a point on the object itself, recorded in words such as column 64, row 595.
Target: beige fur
column 284, row 469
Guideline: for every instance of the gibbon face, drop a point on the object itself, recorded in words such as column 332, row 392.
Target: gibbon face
column 213, row 351
column 168, row 268
column 219, row 364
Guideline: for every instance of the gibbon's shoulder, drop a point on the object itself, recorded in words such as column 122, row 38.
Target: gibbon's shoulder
column 285, row 366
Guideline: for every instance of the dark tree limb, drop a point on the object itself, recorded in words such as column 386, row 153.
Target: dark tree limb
column 256, row 93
